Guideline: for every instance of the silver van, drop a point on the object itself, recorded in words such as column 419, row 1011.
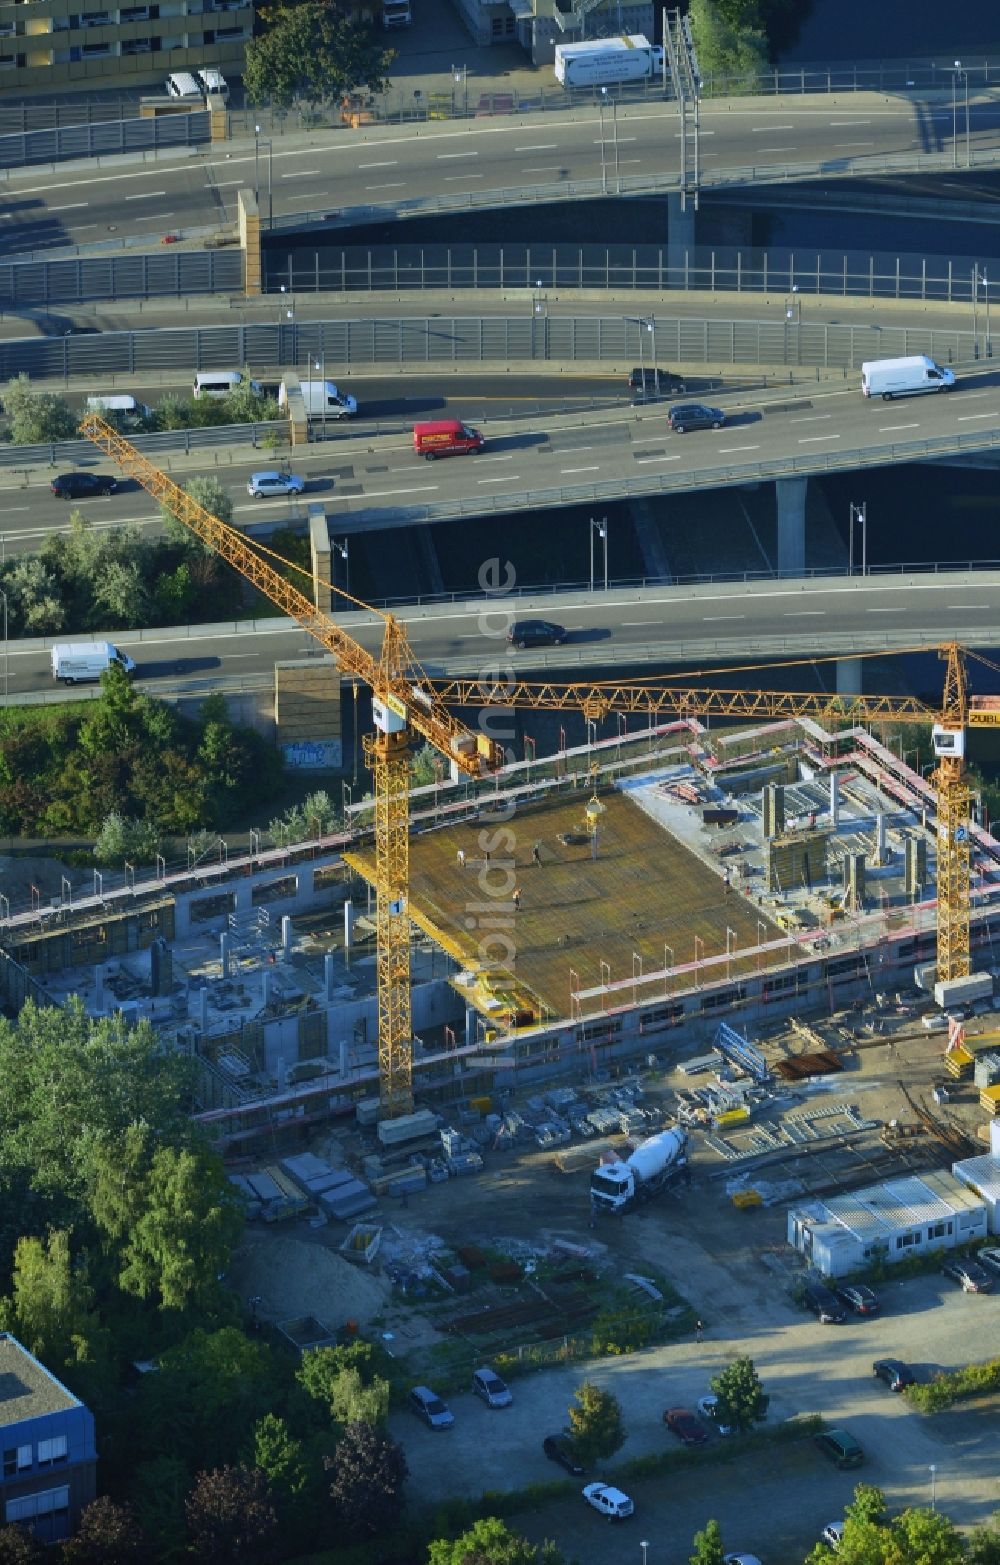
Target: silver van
column 486, row 1383
column 220, row 383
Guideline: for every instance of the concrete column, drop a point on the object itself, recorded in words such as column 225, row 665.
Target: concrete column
column 680, row 236
column 286, row 937
column 224, row 944
column 348, row 925
column 329, row 975
column 880, row 842
column 834, row 800
column 791, row 496
column 203, row 1008
column 319, row 549
column 248, row 221
column 343, row 1057
column 307, row 715
column 849, row 675
column 470, row 1024
column 295, row 407
column 265, row 986
column 219, row 117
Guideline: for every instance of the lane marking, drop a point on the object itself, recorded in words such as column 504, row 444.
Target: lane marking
column 728, row 450
column 594, row 469
column 539, row 146
column 381, row 494
column 147, row 195
column 849, row 122
column 840, row 145
column 811, row 418
column 708, row 618
column 967, row 418
column 764, row 150
column 445, row 156
column 450, row 178
column 74, row 204
column 889, row 429
column 765, row 130
column 302, row 173
column 808, row 613
column 505, row 479
column 399, row 185
column 642, row 460
column 383, row 163
column 550, row 168
column 812, row 440
column 951, row 607
column 886, row 611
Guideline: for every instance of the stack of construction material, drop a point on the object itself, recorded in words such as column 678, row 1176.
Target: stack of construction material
column 409, row 1127
column 987, row 1070
column 336, row 1191
column 989, row 1098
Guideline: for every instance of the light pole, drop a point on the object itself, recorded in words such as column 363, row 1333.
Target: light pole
column 3, row 595
column 977, row 278
column 257, row 144
column 604, row 162
column 601, row 528
column 341, row 549
column 644, row 1545
column 460, row 78
column 933, row 1472
column 320, row 364
column 859, row 513
column 959, row 71
column 793, row 312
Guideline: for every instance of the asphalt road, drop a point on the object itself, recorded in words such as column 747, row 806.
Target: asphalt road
column 368, row 484
column 381, row 167
column 773, row 1506
column 628, row 627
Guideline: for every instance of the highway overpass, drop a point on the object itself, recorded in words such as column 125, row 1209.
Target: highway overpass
column 651, row 627
column 385, row 172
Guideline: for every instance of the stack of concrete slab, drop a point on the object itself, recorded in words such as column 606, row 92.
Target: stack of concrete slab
column 409, row 1127
column 336, row 1191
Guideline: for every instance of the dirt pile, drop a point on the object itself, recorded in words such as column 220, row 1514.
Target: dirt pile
column 294, row 1277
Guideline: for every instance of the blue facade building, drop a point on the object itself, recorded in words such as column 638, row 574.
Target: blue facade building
column 49, row 1470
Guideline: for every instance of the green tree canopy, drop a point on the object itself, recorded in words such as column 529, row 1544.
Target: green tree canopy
column 309, row 53
column 51, row 1308
column 489, row 1541
column 729, row 39
column 36, row 417
column 741, row 1397
column 209, row 492
column 596, row 1426
column 708, row 1546
column 915, row 1537
column 206, row 1397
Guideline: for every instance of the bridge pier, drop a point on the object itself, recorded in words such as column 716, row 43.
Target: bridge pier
column 791, row 498
column 680, row 237
column 849, row 676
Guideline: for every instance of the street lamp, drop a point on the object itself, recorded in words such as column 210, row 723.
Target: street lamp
column 959, row 71
column 859, row 513
column 614, row 131
column 341, row 549
column 3, row 595
column 933, row 1472
column 257, row 144
column 601, row 528
column 793, row 312
column 320, row 364
column 460, row 78
column 977, row 278
column 644, row 1545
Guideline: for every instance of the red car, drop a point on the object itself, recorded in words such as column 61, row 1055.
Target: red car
column 685, row 1426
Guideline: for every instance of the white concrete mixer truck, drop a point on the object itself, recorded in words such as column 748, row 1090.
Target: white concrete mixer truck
column 614, row 1187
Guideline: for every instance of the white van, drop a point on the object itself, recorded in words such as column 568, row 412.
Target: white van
column 214, row 82
column 119, row 409
column 181, row 84
column 322, row 399
column 219, row 383
column 888, row 378
column 77, row 662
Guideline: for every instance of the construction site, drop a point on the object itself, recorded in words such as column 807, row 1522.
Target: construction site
column 706, row 917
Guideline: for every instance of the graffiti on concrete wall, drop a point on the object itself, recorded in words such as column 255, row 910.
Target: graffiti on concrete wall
column 313, row 755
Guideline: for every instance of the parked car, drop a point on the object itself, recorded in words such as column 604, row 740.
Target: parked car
column 611, row 1502
column 841, row 1448
column 823, row 1303
column 862, row 1300
column 685, row 1426
column 694, row 415
column 740, row 1559
column 832, row 1534
column 262, row 485
column 558, row 1448
column 990, row 1258
column 708, row 1407
column 428, row 1406
column 895, row 1373
column 648, row 385
column 486, row 1383
column 536, row 633
column 81, row 486
column 972, row 1277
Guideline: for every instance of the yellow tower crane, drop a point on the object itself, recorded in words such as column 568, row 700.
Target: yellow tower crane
column 402, row 703
column 406, row 701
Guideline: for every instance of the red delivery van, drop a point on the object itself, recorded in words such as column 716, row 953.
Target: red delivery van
column 446, row 437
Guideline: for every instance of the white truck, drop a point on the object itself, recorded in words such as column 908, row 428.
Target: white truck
column 614, row 1187
column 322, row 399
column 909, row 377
column 603, row 62
column 77, row 662
column 396, row 13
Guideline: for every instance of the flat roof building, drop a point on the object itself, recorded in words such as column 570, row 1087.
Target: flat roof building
column 914, row 1215
column 49, row 1455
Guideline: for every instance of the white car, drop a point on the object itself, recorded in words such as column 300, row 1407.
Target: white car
column 832, row 1534
column 261, row 485
column 611, row 1502
column 708, row 1407
column 740, row 1559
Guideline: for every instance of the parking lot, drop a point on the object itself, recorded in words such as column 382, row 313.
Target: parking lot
column 773, row 1503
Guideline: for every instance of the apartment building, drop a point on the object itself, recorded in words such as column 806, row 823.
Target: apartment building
column 49, row 1468
column 49, row 45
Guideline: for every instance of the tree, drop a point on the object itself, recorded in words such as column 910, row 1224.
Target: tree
column 596, row 1426
column 36, row 417
column 51, row 1307
column 158, row 1490
column 982, row 1547
column 230, row 1517
column 245, row 405
column 207, row 1396
column 353, row 1402
column 708, row 1547
column 121, row 840
column 725, row 47
column 279, row 1457
column 33, row 595
column 345, row 1380
column 868, row 1506
column 741, row 1398
column 208, row 491
column 489, row 1541
column 916, row 1537
column 316, row 816
column 426, row 766
column 108, row 1534
column 310, row 54
column 368, row 1472
column 18, row 1547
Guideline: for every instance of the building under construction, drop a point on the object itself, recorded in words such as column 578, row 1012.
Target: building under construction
column 613, row 901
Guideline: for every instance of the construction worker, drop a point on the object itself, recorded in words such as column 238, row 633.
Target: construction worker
column 536, row 854
column 517, row 899
column 461, row 858
column 699, row 1331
